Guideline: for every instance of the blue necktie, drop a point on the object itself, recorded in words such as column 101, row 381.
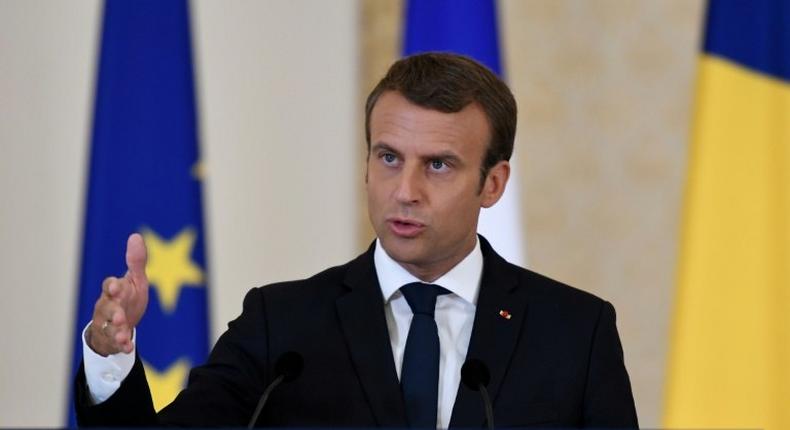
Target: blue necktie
column 420, row 371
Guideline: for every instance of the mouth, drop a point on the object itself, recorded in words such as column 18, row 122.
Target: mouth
column 404, row 227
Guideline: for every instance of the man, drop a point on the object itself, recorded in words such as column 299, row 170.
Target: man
column 383, row 337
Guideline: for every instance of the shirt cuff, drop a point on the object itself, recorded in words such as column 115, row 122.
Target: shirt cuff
column 105, row 374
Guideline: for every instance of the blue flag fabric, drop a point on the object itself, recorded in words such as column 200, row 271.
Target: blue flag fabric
column 752, row 33
column 467, row 27
column 145, row 177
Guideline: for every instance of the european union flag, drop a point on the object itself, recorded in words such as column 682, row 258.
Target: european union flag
column 145, row 177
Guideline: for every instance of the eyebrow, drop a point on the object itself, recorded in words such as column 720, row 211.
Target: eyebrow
column 381, row 146
column 442, row 155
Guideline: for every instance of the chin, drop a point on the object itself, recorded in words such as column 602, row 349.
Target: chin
column 408, row 251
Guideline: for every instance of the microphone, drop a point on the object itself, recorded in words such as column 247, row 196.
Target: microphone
column 475, row 375
column 287, row 368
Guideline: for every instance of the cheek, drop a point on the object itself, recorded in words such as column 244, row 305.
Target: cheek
column 377, row 197
column 459, row 208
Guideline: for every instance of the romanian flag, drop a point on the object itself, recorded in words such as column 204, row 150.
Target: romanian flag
column 145, row 177
column 729, row 361
column 469, row 27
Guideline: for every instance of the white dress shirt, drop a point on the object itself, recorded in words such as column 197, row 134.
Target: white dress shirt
column 454, row 317
column 105, row 374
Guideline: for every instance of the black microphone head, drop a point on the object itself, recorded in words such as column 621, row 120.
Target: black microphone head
column 290, row 365
column 474, row 373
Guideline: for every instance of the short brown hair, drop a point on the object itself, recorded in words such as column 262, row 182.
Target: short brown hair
column 448, row 83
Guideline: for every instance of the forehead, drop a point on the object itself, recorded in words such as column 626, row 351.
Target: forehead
column 397, row 121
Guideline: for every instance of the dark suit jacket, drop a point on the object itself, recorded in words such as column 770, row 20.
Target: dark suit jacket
column 556, row 362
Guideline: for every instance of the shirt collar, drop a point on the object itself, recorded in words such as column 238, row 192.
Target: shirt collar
column 462, row 280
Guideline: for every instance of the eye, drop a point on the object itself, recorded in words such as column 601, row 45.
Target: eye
column 438, row 165
column 389, row 158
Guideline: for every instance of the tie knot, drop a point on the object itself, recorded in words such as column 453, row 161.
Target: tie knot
column 422, row 297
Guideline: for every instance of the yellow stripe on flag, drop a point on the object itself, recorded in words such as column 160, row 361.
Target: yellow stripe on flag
column 729, row 361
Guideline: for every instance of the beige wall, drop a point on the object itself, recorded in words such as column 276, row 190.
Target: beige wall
column 46, row 75
column 280, row 141
column 604, row 92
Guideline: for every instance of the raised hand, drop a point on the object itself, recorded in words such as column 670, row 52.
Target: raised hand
column 122, row 303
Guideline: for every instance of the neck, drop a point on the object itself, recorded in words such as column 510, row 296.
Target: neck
column 429, row 272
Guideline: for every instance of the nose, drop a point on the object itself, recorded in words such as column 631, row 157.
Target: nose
column 410, row 186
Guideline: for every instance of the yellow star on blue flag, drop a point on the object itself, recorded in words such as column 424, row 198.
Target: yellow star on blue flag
column 170, row 266
column 166, row 384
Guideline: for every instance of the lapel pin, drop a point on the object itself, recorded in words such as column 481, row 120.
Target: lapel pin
column 505, row 314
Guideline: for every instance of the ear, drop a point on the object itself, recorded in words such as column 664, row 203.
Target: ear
column 494, row 185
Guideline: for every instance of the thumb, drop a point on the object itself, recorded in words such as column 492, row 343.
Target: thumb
column 136, row 257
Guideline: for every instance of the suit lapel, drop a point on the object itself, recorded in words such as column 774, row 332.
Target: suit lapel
column 361, row 314
column 494, row 336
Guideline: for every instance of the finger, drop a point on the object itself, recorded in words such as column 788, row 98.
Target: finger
column 104, row 333
column 114, row 328
column 108, row 310
column 116, row 321
column 119, row 290
column 109, row 320
column 122, row 336
column 118, row 318
column 110, row 286
column 127, row 347
column 136, row 257
column 122, row 290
